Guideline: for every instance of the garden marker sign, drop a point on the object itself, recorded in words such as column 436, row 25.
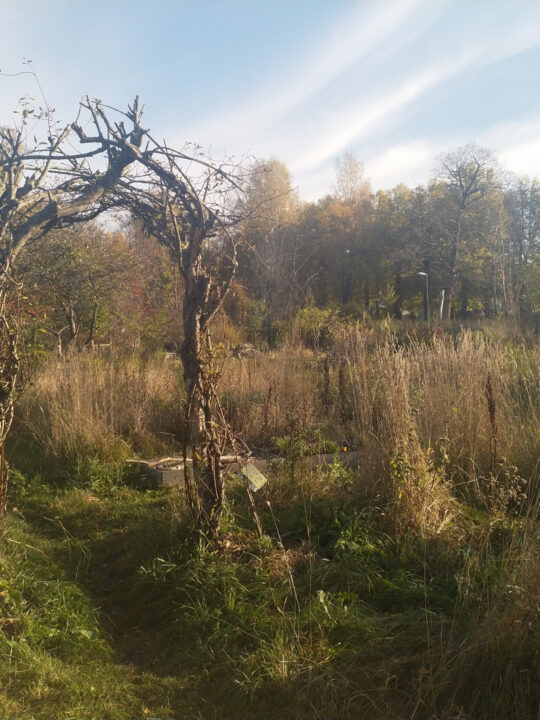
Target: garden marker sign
column 254, row 477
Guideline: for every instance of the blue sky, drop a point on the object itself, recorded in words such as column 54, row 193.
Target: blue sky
column 394, row 82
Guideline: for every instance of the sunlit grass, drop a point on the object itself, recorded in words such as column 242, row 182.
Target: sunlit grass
column 406, row 587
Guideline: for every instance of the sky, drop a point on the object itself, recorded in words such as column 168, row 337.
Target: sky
column 395, row 82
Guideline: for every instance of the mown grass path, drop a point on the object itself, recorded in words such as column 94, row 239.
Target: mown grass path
column 109, row 611
column 75, row 560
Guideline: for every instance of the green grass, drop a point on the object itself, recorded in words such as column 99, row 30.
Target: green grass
column 112, row 607
column 57, row 660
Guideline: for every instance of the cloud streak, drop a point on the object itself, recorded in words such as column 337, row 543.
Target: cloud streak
column 403, row 162
column 363, row 116
column 367, row 117
column 350, row 40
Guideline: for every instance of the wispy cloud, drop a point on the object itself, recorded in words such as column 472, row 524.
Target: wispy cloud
column 365, row 115
column 405, row 162
column 354, row 36
column 410, row 162
column 523, row 159
column 516, row 144
column 368, row 115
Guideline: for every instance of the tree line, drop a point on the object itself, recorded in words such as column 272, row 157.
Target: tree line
column 470, row 237
column 465, row 244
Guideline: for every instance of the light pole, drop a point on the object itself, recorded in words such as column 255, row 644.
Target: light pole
column 345, row 276
column 441, row 306
column 426, row 295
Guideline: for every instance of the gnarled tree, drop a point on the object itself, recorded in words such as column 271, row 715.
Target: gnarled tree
column 193, row 218
column 45, row 187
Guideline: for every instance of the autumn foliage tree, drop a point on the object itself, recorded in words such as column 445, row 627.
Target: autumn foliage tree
column 74, row 279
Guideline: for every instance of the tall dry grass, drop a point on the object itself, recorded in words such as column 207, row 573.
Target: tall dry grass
column 377, row 394
column 434, row 419
column 111, row 407
column 272, row 394
column 490, row 663
column 419, row 412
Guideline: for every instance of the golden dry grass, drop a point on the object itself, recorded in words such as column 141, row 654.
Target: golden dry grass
column 109, row 406
column 443, row 459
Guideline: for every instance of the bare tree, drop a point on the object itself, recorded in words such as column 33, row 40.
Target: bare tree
column 192, row 217
column 469, row 175
column 48, row 186
column 189, row 215
column 351, row 184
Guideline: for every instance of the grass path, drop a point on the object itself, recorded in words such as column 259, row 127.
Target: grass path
column 106, row 615
column 87, row 648
column 98, row 641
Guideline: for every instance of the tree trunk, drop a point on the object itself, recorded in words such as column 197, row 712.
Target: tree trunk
column 452, row 277
column 9, row 375
column 59, row 344
column 398, row 292
column 207, row 495
column 73, row 327
column 93, row 323
column 464, row 299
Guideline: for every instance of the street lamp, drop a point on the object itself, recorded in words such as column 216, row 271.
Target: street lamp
column 345, row 285
column 426, row 295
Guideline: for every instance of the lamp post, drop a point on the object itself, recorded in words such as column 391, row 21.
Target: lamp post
column 441, row 306
column 426, row 295
column 345, row 277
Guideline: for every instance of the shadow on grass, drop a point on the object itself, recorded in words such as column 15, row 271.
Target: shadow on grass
column 218, row 633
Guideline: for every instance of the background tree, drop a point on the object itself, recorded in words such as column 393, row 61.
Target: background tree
column 351, row 185
column 271, row 257
column 467, row 176
column 397, row 237
column 522, row 201
column 148, row 313
column 338, row 234
column 75, row 277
